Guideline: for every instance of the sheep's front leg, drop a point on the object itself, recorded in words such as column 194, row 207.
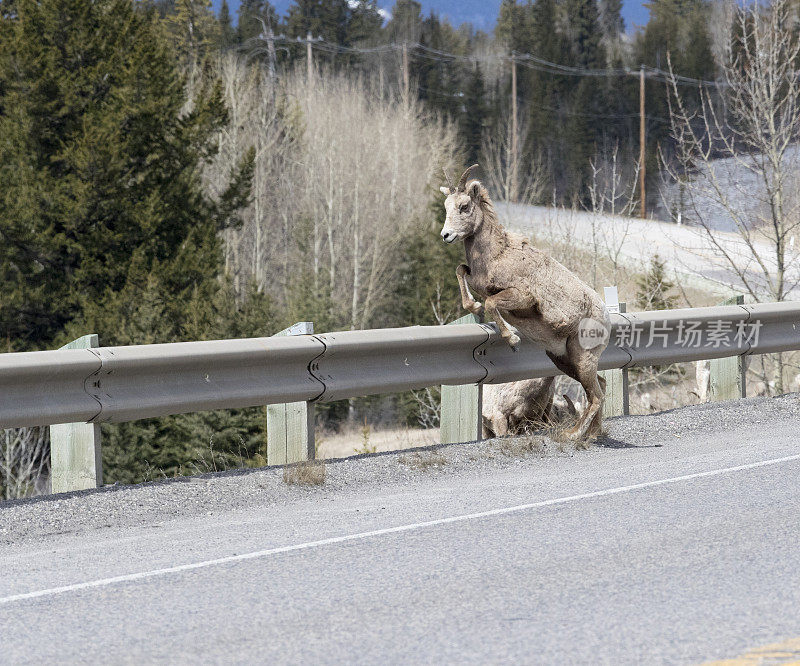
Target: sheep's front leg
column 468, row 302
column 508, row 299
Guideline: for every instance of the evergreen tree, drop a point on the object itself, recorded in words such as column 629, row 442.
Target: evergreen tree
column 653, row 288
column 473, row 115
column 544, row 93
column 226, row 32
column 365, row 22
column 406, row 22
column 195, row 31
column 585, row 34
column 611, row 21
column 327, row 19
column 188, row 443
column 251, row 15
column 105, row 224
column 439, row 80
column 583, row 129
column 427, row 291
column 677, row 27
column 100, row 193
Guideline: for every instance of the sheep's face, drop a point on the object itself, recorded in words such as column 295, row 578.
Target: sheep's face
column 464, row 215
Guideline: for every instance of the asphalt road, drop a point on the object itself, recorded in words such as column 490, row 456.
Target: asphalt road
column 675, row 541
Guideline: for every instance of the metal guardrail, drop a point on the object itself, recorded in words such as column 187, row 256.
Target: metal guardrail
column 128, row 383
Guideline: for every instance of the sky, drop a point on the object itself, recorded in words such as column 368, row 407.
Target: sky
column 481, row 13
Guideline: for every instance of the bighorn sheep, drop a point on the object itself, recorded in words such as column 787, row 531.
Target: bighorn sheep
column 527, row 288
column 508, row 408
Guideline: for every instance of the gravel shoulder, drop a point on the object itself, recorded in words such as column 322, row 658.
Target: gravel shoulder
column 714, row 435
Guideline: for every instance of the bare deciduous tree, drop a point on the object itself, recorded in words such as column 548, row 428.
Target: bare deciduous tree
column 506, row 178
column 24, row 462
column 343, row 175
column 612, row 191
column 737, row 154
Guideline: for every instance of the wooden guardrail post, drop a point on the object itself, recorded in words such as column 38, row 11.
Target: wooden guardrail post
column 290, row 426
column 460, row 416
column 728, row 376
column 616, row 402
column 75, row 453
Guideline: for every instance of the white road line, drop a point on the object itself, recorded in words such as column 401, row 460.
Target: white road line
column 103, row 582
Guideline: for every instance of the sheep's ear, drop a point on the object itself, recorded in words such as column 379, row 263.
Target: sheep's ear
column 445, row 191
column 474, row 190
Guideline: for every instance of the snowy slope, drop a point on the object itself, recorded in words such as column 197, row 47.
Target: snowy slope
column 687, row 250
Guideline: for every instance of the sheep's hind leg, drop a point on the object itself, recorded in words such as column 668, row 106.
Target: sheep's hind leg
column 585, row 363
column 596, row 426
column 581, row 365
column 468, row 301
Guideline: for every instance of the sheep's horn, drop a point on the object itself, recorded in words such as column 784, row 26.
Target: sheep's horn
column 462, row 184
column 449, row 181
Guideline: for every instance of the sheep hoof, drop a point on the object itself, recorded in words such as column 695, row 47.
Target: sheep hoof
column 514, row 341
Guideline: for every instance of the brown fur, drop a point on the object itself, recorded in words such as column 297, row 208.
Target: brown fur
column 509, row 408
column 528, row 289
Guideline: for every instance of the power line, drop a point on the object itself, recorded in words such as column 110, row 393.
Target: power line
column 566, row 112
column 527, row 60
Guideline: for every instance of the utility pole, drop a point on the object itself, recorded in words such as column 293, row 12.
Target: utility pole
column 514, row 142
column 405, row 72
column 642, row 210
column 309, row 60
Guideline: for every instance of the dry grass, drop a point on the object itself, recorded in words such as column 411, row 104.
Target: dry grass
column 344, row 444
column 309, row 473
column 535, row 432
column 558, row 433
column 423, row 461
column 519, row 447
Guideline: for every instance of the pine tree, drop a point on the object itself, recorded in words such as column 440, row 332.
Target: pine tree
column 611, row 20
column 427, row 289
column 190, row 443
column 406, row 22
column 365, row 22
column 327, row 19
column 251, row 15
column 195, row 31
column 440, row 81
column 99, row 184
column 680, row 28
column 515, row 28
column 227, row 33
column 585, row 33
column 473, row 115
column 584, row 128
column 105, row 222
column 653, row 288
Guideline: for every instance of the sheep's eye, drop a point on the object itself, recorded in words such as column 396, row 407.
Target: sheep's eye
column 464, row 207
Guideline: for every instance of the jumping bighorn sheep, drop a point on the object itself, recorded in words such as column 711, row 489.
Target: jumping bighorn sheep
column 527, row 288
